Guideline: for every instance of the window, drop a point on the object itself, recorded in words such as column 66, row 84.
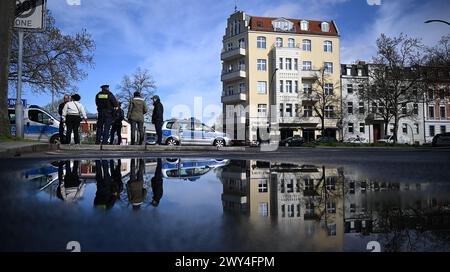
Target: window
column 328, row 88
column 329, row 111
column 279, row 42
column 328, row 46
column 360, row 87
column 328, row 67
column 242, row 65
column 242, row 43
column 261, row 42
column 262, row 110
column 229, row 46
column 262, row 87
column 262, row 186
column 362, row 127
column 374, row 107
column 405, row 128
column 280, row 66
column 350, row 88
column 306, row 45
column 431, row 130
column 430, row 94
column 259, row 23
column 291, row 43
column 442, row 112
column 331, row 207
column 442, row 95
column 281, row 110
column 307, row 111
column 39, row 116
column 242, row 88
column 297, row 110
column 307, row 66
column 296, row 64
column 307, row 88
column 288, row 110
column 350, row 107
column 416, row 128
column 330, row 183
column 304, row 25
column 416, row 108
column 261, row 65
column 325, row 27
column 296, row 86
column 236, row 27
column 404, row 108
column 281, row 86
column 431, row 112
column 361, row 108
column 263, row 209
column 230, row 90
column 443, row 129
column 288, row 64
column 230, row 68
column 289, row 86
column 350, row 127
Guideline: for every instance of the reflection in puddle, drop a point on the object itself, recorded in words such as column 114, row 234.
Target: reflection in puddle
column 258, row 206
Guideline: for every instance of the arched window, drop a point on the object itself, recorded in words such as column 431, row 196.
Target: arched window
column 306, row 45
column 291, row 43
column 328, row 46
column 279, row 42
column 261, row 42
column 304, row 25
column 325, row 27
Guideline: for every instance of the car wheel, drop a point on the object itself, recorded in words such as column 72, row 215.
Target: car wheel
column 286, row 144
column 219, row 143
column 171, row 142
column 55, row 140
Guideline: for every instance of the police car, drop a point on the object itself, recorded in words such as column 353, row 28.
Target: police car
column 189, row 169
column 192, row 132
column 39, row 124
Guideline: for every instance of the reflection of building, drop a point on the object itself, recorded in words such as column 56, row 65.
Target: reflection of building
column 88, row 168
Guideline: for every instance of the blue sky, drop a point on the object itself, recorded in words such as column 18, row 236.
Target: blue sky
column 179, row 41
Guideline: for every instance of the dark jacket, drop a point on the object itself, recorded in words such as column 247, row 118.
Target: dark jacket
column 61, row 107
column 105, row 102
column 118, row 116
column 158, row 112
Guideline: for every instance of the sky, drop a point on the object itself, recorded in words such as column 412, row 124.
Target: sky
column 179, row 41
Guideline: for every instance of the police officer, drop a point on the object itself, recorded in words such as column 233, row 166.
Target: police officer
column 106, row 104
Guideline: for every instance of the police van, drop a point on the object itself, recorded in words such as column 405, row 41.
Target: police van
column 39, row 124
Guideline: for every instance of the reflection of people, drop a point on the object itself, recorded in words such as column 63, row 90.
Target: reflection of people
column 117, row 178
column 70, row 186
column 104, row 197
column 157, row 184
column 135, row 186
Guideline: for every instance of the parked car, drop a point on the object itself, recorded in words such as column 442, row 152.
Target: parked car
column 442, row 139
column 386, row 139
column 292, row 141
column 325, row 139
column 356, row 140
column 192, row 132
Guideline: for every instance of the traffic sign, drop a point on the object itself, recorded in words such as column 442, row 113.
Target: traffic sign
column 30, row 14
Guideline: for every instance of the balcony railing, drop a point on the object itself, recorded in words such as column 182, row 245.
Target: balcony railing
column 233, row 53
column 234, row 75
column 239, row 97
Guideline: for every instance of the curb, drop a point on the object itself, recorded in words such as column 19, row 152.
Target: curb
column 17, row 152
column 147, row 148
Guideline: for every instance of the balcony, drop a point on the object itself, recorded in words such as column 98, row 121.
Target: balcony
column 234, row 98
column 234, row 75
column 289, row 120
column 311, row 74
column 233, row 54
column 309, row 99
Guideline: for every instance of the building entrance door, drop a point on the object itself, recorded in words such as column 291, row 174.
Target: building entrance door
column 376, row 132
column 308, row 135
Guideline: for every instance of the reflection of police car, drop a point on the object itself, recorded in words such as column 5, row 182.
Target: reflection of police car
column 191, row 131
column 190, row 169
column 42, row 176
column 38, row 124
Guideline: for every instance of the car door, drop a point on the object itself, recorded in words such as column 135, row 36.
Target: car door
column 198, row 136
column 39, row 125
column 185, row 132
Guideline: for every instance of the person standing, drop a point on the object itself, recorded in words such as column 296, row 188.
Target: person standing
column 106, row 103
column 136, row 117
column 117, row 125
column 73, row 113
column 62, row 138
column 158, row 117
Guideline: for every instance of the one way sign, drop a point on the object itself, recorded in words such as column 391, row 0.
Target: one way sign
column 30, row 14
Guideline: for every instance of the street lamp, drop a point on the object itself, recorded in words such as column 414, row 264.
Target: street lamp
column 437, row 21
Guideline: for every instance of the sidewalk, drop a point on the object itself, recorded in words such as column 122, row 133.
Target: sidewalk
column 16, row 148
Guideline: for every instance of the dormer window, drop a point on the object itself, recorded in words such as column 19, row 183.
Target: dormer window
column 304, row 25
column 282, row 25
column 259, row 23
column 325, row 27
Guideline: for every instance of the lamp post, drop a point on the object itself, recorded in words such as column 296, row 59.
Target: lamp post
column 437, row 21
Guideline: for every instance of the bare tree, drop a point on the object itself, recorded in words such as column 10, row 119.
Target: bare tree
column 51, row 60
column 141, row 81
column 439, row 55
column 7, row 8
column 323, row 97
column 395, row 78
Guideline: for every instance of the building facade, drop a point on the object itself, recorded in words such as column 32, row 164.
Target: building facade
column 363, row 118
column 269, row 69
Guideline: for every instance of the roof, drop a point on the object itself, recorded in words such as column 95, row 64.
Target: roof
column 314, row 26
